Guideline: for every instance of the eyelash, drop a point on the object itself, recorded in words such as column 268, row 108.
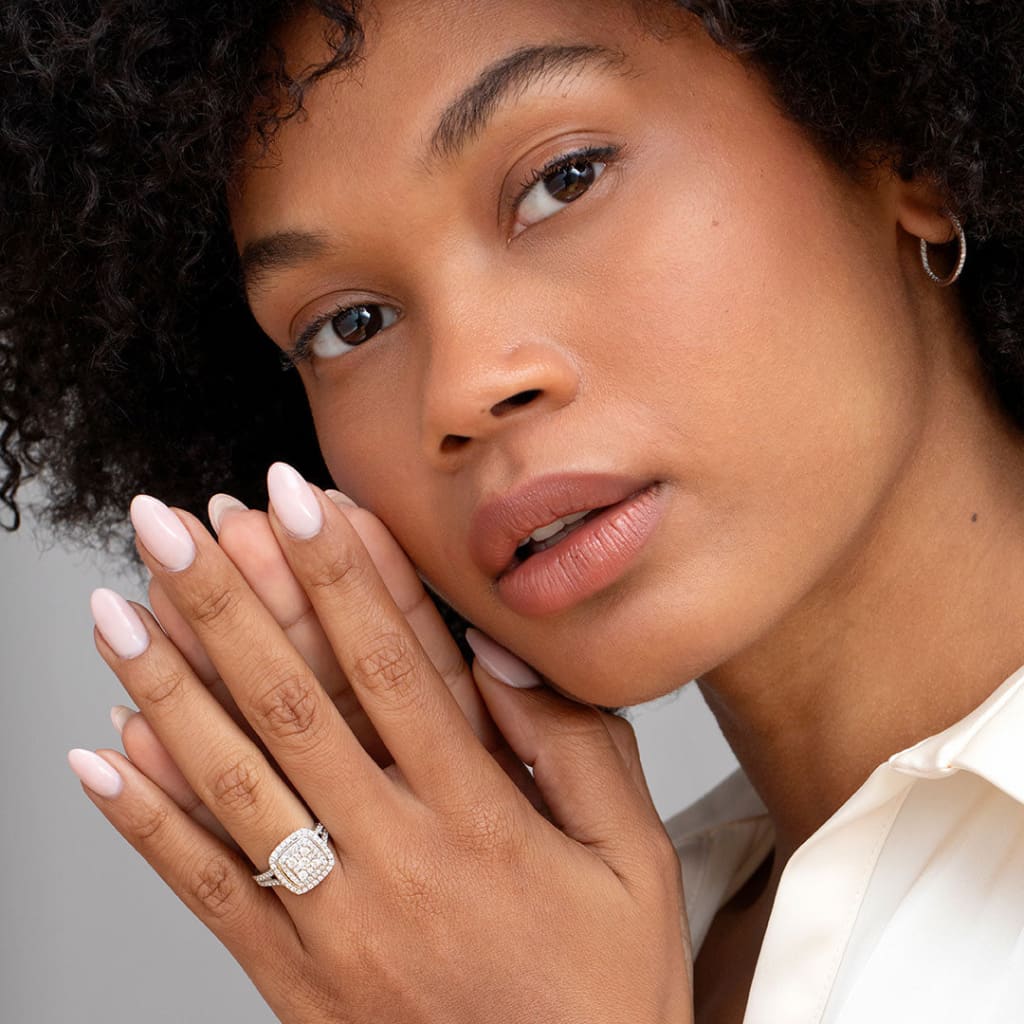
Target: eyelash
column 587, row 154
column 302, row 350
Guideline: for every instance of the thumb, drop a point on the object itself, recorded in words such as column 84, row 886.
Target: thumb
column 577, row 763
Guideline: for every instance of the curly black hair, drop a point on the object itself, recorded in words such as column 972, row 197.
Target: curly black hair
column 121, row 308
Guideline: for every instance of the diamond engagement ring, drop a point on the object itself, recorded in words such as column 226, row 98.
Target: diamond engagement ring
column 300, row 861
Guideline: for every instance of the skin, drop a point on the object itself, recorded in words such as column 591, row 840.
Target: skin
column 430, row 852
column 840, row 563
column 837, row 565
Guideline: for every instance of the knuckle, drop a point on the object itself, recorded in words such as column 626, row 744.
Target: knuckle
column 212, row 606
column 486, row 828
column 287, row 706
column 149, row 824
column 167, row 687
column 237, row 785
column 388, row 665
column 214, row 886
column 340, row 568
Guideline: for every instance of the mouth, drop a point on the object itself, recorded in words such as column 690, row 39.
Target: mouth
column 558, row 539
column 543, row 539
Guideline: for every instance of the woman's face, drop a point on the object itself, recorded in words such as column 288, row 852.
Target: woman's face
column 701, row 308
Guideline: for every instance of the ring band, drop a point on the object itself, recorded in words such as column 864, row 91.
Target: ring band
column 300, row 862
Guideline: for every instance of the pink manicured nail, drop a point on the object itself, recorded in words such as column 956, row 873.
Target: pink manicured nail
column 339, row 498
column 119, row 715
column 501, row 663
column 162, row 532
column 119, row 623
column 99, row 776
column 294, row 501
column 220, row 504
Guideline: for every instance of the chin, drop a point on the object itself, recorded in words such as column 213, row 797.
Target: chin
column 630, row 657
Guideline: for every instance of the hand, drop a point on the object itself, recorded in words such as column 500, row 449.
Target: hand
column 245, row 535
column 452, row 898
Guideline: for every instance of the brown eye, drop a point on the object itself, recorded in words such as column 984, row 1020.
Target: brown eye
column 571, row 182
column 560, row 183
column 357, row 324
column 349, row 328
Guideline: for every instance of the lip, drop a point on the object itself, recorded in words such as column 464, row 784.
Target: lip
column 588, row 559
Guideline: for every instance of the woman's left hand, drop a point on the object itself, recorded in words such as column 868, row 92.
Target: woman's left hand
column 452, row 899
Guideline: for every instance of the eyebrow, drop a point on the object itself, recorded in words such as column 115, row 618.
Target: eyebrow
column 507, row 79
column 499, row 83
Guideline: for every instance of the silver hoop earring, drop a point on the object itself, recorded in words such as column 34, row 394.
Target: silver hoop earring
column 944, row 282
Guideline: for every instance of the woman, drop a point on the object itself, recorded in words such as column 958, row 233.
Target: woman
column 677, row 267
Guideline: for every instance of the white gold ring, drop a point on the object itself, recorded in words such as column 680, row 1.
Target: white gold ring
column 301, row 861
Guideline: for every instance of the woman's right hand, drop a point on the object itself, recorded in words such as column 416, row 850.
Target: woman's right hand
column 246, row 537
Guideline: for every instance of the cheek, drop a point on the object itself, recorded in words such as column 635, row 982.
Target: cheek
column 777, row 377
column 366, row 453
column 778, row 393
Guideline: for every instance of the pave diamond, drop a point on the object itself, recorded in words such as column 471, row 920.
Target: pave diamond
column 302, row 860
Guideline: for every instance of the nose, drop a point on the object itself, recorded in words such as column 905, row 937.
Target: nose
column 479, row 384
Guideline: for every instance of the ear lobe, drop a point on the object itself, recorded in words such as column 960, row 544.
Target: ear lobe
column 920, row 206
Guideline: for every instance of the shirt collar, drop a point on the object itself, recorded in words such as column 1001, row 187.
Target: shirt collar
column 988, row 742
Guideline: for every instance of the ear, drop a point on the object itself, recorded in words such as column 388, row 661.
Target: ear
column 920, row 203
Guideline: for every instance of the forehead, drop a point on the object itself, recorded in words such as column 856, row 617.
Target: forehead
column 415, row 50
column 387, row 109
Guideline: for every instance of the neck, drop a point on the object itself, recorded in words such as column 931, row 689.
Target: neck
column 916, row 625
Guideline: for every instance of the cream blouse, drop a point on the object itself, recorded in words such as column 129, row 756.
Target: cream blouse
column 907, row 905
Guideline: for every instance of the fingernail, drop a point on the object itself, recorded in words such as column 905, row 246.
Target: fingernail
column 294, row 501
column 118, row 622
column 162, row 532
column 220, row 504
column 119, row 714
column 501, row 663
column 340, row 499
column 100, row 777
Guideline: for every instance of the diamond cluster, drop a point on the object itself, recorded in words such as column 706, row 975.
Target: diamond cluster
column 300, row 861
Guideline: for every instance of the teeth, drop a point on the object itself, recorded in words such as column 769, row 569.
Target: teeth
column 545, row 532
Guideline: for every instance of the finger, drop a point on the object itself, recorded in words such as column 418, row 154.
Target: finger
column 225, row 769
column 174, row 625
column 407, row 590
column 269, row 680
column 184, row 638
column 415, row 713
column 211, row 880
column 249, row 540
column 576, row 762
column 150, row 757
column 245, row 535
column 250, row 543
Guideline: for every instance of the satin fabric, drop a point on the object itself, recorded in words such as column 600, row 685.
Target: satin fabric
column 907, row 905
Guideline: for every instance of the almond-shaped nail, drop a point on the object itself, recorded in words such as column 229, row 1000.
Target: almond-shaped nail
column 102, row 778
column 118, row 622
column 162, row 532
column 219, row 505
column 501, row 663
column 294, row 501
column 119, row 715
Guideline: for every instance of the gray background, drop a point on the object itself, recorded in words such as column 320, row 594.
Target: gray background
column 88, row 931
